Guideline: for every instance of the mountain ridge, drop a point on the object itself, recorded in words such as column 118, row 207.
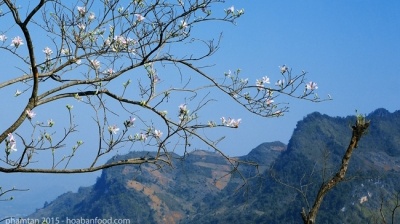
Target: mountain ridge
column 201, row 188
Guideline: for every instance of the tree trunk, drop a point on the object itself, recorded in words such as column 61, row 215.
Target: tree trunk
column 358, row 131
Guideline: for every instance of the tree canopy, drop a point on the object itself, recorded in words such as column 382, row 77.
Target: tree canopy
column 124, row 73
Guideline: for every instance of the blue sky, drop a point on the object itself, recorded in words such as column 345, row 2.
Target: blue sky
column 350, row 48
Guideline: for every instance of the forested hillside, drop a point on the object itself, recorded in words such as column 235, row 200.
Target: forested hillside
column 201, row 189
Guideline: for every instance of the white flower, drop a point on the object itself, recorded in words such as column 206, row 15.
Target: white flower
column 265, row 79
column 120, row 40
column 280, row 83
column 81, row 10
column 311, row 86
column 16, row 42
column 164, row 113
column 130, row 122
column 91, row 16
column 65, row 51
column 3, row 37
column 283, row 68
column 183, row 109
column 113, row 129
column 158, row 133
column 78, row 62
column 269, row 101
column 81, row 26
column 30, row 114
column 95, row 64
column 235, row 123
column 223, row 120
column 17, row 93
column 260, row 83
column 11, row 144
column 230, row 10
column 183, row 24
column 47, row 51
column 143, row 137
column 109, row 71
column 139, row 17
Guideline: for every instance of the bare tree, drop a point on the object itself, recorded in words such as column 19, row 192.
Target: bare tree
column 358, row 130
column 124, row 63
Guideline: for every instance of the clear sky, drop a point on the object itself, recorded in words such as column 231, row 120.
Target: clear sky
column 351, row 49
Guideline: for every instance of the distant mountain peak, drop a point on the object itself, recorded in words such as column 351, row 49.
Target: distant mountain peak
column 265, row 153
column 269, row 146
column 380, row 112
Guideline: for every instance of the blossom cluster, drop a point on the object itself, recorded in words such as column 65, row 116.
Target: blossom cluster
column 116, row 44
column 231, row 122
column 231, row 11
column 139, row 137
column 96, row 65
column 121, row 43
column 143, row 136
column 15, row 42
column 114, row 129
column 263, row 100
column 82, row 12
